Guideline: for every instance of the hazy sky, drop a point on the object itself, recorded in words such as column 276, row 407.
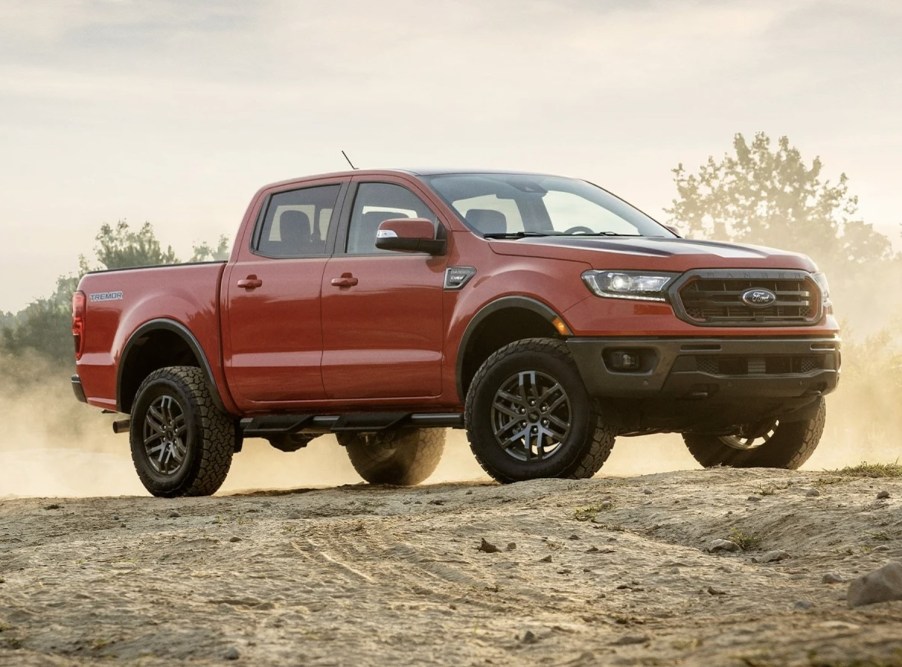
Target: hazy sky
column 176, row 112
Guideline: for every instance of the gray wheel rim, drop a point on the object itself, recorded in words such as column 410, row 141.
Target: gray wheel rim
column 739, row 441
column 165, row 435
column 531, row 416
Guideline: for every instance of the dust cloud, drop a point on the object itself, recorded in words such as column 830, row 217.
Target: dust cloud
column 51, row 445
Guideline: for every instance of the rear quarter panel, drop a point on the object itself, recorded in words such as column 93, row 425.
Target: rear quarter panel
column 119, row 302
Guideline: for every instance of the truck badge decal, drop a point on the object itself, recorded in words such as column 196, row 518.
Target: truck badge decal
column 758, row 297
column 106, row 296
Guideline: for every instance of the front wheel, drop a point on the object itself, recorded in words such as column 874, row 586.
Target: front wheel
column 528, row 415
column 783, row 445
column 181, row 443
column 402, row 457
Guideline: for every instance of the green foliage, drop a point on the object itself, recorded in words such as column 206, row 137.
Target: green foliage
column 771, row 196
column 120, row 247
column 44, row 326
column 746, row 541
column 203, row 252
column 873, row 470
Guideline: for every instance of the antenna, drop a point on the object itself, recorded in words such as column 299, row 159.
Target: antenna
column 349, row 160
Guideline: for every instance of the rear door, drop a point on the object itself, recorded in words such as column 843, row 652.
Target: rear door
column 382, row 310
column 273, row 335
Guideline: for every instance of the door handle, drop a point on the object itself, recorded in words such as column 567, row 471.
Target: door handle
column 346, row 280
column 251, row 282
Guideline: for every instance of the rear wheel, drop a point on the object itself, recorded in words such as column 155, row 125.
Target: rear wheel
column 403, row 457
column 528, row 415
column 778, row 445
column 181, row 443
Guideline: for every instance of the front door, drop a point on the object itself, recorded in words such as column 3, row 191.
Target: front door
column 382, row 310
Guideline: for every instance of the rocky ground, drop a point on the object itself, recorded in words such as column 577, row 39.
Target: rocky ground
column 609, row 571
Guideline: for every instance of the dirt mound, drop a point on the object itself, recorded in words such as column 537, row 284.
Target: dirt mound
column 601, row 571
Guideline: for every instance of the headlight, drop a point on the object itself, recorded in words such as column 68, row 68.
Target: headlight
column 821, row 279
column 640, row 285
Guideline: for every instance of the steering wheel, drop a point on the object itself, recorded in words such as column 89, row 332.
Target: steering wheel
column 579, row 229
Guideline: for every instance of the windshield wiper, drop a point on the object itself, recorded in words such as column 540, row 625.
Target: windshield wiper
column 517, row 235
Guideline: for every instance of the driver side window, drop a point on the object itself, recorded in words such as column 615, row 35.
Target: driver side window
column 376, row 203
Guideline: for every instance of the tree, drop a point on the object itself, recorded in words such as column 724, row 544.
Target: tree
column 203, row 252
column 770, row 196
column 120, row 247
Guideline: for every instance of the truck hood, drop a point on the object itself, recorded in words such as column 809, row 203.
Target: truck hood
column 665, row 254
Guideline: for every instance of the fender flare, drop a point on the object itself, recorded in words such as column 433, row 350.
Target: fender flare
column 163, row 324
column 504, row 303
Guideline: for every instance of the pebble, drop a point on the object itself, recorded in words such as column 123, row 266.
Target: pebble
column 882, row 495
column 547, row 559
column 234, row 538
column 487, row 547
column 881, row 585
column 722, row 545
column 437, row 501
column 803, row 604
column 53, row 506
column 511, row 546
column 231, row 653
column 174, row 515
column 528, row 637
column 754, row 499
column 831, row 578
column 812, row 493
column 710, row 590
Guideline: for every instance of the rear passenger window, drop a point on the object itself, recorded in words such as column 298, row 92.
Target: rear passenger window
column 297, row 223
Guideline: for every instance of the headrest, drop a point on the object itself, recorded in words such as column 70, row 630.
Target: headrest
column 487, row 221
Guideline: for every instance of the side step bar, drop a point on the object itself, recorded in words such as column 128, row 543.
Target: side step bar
column 262, row 427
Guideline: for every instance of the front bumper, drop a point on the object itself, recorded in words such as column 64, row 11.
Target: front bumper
column 700, row 368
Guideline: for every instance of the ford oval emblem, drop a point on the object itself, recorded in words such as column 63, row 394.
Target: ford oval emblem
column 758, row 297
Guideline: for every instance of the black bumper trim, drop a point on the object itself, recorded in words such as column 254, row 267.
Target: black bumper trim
column 78, row 390
column 675, row 368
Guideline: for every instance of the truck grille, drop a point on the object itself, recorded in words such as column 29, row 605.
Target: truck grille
column 771, row 365
column 715, row 298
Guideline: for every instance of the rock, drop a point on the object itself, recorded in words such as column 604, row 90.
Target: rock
column 528, row 637
column 547, row 559
column 710, row 590
column 234, row 538
column 812, row 493
column 880, row 585
column 881, row 547
column 882, row 495
column 510, row 546
column 754, row 499
column 231, row 653
column 437, row 501
column 487, row 547
column 53, row 506
column 574, row 536
column 174, row 515
column 722, row 545
column 803, row 604
column 295, row 515
column 774, row 556
column 831, row 578
column 647, row 492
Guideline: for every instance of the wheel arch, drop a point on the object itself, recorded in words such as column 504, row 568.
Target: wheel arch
column 157, row 344
column 497, row 324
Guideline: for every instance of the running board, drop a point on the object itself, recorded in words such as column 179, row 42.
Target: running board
column 262, row 427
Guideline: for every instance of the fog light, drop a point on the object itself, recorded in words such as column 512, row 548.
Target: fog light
column 621, row 360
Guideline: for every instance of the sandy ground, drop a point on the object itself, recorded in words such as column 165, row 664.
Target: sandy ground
column 608, row 571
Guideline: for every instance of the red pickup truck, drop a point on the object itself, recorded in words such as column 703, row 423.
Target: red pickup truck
column 542, row 314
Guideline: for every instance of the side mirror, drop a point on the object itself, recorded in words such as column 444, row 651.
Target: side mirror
column 409, row 235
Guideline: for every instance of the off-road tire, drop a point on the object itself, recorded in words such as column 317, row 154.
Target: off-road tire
column 202, row 433
column 790, row 445
column 582, row 448
column 402, row 457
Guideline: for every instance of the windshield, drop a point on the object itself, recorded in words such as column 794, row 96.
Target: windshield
column 514, row 205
